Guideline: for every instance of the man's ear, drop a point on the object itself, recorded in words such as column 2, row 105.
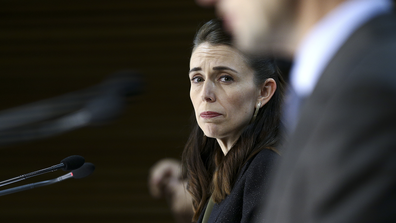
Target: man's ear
column 267, row 90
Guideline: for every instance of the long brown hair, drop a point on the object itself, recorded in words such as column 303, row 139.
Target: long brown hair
column 208, row 171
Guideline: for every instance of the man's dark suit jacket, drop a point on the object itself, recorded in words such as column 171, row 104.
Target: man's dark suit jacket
column 242, row 204
column 340, row 162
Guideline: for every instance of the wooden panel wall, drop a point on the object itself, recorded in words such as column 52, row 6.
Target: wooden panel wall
column 48, row 48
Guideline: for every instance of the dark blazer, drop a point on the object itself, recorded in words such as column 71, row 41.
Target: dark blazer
column 241, row 205
column 340, row 165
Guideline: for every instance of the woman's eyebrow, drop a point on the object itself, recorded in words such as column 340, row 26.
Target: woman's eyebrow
column 221, row 68
column 195, row 69
column 218, row 68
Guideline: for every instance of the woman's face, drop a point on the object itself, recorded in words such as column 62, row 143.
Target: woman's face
column 222, row 91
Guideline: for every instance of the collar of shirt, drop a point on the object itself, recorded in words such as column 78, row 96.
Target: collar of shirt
column 326, row 37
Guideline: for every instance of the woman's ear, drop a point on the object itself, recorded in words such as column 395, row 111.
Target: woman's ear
column 267, row 90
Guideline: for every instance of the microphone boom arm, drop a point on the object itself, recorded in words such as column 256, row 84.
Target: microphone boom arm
column 34, row 185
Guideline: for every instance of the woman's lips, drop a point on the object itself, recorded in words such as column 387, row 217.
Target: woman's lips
column 209, row 114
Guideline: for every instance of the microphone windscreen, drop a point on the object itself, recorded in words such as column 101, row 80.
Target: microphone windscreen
column 105, row 108
column 111, row 101
column 124, row 83
column 84, row 171
column 73, row 162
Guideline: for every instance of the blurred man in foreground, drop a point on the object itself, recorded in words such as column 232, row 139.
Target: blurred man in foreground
column 339, row 164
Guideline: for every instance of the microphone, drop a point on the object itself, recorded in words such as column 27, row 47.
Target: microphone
column 94, row 106
column 67, row 164
column 84, row 171
column 123, row 83
column 110, row 103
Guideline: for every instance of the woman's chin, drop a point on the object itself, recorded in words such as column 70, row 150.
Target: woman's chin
column 210, row 130
column 210, row 135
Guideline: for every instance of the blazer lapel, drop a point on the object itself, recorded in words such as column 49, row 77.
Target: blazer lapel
column 359, row 44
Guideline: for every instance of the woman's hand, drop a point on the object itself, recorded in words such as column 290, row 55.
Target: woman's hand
column 166, row 181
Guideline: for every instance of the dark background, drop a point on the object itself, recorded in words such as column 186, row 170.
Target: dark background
column 49, row 48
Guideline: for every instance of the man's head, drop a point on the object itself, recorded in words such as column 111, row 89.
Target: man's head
column 257, row 25
column 264, row 26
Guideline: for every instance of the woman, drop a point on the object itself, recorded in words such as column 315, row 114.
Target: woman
column 236, row 128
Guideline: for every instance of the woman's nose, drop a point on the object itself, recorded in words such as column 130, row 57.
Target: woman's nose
column 208, row 92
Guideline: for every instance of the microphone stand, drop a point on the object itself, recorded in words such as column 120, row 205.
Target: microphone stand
column 32, row 174
column 82, row 172
column 34, row 185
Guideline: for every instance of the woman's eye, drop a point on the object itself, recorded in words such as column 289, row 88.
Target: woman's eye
column 226, row 78
column 196, row 79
